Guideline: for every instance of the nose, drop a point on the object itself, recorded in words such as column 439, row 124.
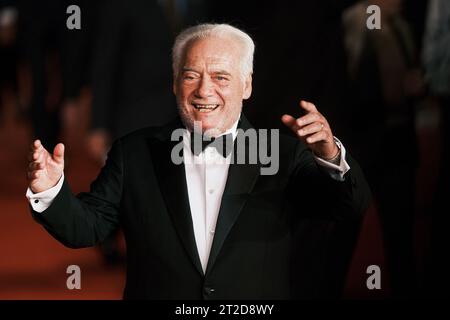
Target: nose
column 205, row 88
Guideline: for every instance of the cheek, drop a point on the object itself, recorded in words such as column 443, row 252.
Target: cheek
column 229, row 92
column 234, row 95
column 185, row 93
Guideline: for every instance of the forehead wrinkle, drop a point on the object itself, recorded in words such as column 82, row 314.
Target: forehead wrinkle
column 220, row 66
column 209, row 58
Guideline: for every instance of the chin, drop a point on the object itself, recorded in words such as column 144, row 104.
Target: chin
column 209, row 122
column 206, row 125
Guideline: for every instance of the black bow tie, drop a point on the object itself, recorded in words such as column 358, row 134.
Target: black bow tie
column 223, row 144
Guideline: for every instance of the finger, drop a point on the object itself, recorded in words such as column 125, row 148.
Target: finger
column 307, row 106
column 37, row 174
column 308, row 119
column 35, row 166
column 289, row 121
column 37, row 155
column 36, row 144
column 319, row 136
column 36, row 149
column 34, row 155
column 33, row 175
column 42, row 156
column 58, row 153
column 310, row 129
column 32, row 166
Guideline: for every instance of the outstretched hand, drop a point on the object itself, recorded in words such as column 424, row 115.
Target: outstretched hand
column 313, row 129
column 45, row 169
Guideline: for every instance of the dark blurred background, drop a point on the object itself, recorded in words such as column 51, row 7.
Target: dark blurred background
column 386, row 94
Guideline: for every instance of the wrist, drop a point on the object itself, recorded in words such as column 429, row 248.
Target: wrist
column 337, row 153
column 336, row 158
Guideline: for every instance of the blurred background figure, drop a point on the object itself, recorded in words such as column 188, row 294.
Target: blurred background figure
column 86, row 87
column 300, row 53
column 131, row 72
column 42, row 51
column 436, row 59
column 130, row 79
column 9, row 58
column 386, row 81
column 131, row 66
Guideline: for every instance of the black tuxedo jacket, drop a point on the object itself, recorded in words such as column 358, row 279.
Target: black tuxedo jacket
column 265, row 245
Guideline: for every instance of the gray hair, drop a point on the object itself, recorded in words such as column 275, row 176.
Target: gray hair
column 224, row 31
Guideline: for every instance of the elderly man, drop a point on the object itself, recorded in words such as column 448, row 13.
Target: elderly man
column 204, row 229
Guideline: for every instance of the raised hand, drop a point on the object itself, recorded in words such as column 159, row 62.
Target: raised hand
column 313, row 129
column 45, row 169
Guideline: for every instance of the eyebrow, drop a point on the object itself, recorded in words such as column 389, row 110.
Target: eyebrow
column 223, row 72
column 186, row 69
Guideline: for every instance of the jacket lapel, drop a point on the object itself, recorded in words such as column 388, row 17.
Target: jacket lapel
column 172, row 181
column 240, row 181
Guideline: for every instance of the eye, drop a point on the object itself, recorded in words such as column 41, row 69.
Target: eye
column 221, row 78
column 189, row 76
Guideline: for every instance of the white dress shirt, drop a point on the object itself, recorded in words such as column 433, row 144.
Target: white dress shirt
column 206, row 176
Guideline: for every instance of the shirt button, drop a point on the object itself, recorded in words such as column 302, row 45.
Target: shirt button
column 211, row 191
column 211, row 231
column 36, row 201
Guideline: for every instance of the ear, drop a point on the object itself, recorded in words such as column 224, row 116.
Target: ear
column 247, row 87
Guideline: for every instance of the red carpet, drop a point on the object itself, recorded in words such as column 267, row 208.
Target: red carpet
column 33, row 264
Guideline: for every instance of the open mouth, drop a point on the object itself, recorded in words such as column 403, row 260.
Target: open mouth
column 204, row 108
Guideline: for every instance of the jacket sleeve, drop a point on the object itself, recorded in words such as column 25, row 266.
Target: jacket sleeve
column 320, row 196
column 83, row 220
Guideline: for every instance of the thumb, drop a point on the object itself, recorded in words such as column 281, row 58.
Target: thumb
column 58, row 153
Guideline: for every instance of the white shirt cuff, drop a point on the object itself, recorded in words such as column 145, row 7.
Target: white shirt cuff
column 336, row 171
column 42, row 200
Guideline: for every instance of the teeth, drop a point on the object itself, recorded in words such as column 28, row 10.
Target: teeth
column 205, row 107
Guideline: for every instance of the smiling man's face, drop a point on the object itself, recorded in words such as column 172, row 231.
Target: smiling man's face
column 209, row 87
